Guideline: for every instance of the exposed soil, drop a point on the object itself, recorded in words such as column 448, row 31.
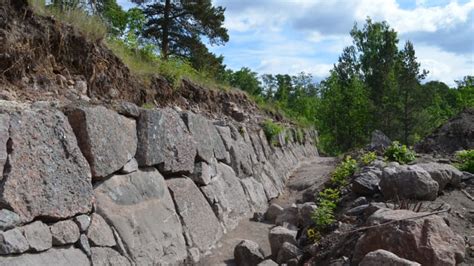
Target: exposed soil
column 311, row 173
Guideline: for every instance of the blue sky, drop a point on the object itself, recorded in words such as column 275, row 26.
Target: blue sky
column 290, row 36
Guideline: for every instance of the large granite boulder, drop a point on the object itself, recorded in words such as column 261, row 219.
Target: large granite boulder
column 201, row 226
column 427, row 240
column 239, row 150
column 38, row 236
column 208, row 142
column 164, row 141
column 107, row 257
column 383, row 257
column 51, row 180
column 69, row 256
column 13, row 242
column 379, row 141
column 408, row 182
column 8, row 219
column 248, row 253
column 454, row 135
column 65, row 232
column 255, row 194
column 99, row 232
column 279, row 235
column 444, row 174
column 367, row 182
column 141, row 210
column 107, row 140
column 226, row 196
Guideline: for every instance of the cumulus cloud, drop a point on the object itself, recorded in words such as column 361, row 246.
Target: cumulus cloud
column 308, row 35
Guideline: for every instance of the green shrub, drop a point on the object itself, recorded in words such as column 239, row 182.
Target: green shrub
column 368, row 158
column 323, row 216
column 271, row 130
column 344, row 170
column 399, row 153
column 466, row 160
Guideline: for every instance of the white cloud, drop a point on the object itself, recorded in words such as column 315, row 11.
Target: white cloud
column 444, row 66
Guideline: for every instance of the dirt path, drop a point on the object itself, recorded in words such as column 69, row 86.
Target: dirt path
column 308, row 175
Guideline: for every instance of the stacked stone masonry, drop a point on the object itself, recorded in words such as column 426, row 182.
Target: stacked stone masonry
column 86, row 185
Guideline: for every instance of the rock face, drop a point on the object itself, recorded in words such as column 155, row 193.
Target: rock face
column 456, row 134
column 379, row 141
column 139, row 206
column 208, row 142
column 38, row 236
column 383, row 257
column 427, row 240
column 65, row 232
column 444, row 174
column 107, row 256
column 52, row 180
column 248, row 253
column 99, row 232
column 12, row 242
column 367, row 182
column 201, row 226
column 8, row 219
column 227, row 197
column 255, row 194
column 279, row 235
column 408, row 182
column 107, row 139
column 70, row 256
column 164, row 140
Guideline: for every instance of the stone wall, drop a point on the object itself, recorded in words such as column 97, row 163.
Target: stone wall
column 86, row 184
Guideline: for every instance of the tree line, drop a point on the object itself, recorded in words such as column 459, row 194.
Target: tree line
column 375, row 84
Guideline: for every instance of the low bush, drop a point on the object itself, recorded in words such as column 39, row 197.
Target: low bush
column 323, row 216
column 399, row 153
column 344, row 170
column 368, row 158
column 466, row 160
column 271, row 130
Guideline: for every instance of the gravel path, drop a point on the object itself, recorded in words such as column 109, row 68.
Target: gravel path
column 307, row 176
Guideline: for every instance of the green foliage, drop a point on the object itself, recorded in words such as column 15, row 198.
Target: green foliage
column 323, row 216
column 245, row 79
column 148, row 106
column 271, row 130
column 466, row 159
column 344, row 170
column 178, row 26
column 72, row 12
column 368, row 157
column 313, row 235
column 399, row 153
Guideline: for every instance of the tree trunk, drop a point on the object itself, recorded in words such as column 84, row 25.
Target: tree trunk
column 166, row 25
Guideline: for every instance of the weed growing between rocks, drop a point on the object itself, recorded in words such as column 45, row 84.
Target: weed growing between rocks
column 272, row 130
column 399, row 153
column 368, row 158
column 344, row 170
column 466, row 160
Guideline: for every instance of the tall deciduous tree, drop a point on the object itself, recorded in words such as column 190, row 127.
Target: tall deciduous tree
column 178, row 25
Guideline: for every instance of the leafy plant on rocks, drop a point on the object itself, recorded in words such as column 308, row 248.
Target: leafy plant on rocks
column 271, row 130
column 323, row 216
column 344, row 170
column 368, row 158
column 399, row 153
column 466, row 160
